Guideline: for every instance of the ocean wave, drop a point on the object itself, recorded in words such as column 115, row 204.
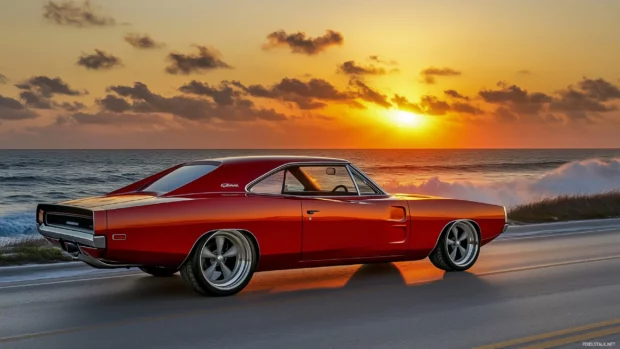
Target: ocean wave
column 479, row 167
column 578, row 177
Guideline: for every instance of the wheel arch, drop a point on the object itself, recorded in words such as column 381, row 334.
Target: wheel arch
column 245, row 232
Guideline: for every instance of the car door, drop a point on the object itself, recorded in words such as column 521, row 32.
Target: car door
column 338, row 222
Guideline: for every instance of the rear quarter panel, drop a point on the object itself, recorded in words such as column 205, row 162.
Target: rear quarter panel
column 429, row 217
column 164, row 234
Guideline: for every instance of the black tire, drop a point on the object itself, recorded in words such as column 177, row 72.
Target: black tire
column 192, row 271
column 159, row 271
column 440, row 256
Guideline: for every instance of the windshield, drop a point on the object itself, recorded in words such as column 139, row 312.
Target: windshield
column 179, row 177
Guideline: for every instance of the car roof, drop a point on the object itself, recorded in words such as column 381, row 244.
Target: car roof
column 271, row 159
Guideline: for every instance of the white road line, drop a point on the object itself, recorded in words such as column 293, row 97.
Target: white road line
column 69, row 281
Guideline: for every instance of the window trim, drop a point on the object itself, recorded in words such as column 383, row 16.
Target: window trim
column 348, row 165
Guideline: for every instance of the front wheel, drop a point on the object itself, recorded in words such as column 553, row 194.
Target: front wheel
column 458, row 247
column 222, row 263
column 159, row 271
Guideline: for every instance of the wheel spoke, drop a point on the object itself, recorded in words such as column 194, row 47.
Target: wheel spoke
column 219, row 241
column 453, row 254
column 454, row 231
column 210, row 271
column 462, row 237
column 225, row 270
column 463, row 251
column 231, row 252
column 206, row 253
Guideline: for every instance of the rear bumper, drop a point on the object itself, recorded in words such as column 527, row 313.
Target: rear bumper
column 79, row 237
column 505, row 228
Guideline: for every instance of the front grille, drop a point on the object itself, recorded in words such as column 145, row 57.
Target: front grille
column 69, row 221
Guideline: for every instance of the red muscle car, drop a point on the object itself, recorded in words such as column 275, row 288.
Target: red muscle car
column 218, row 221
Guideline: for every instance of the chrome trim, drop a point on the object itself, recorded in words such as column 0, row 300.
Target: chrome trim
column 290, row 164
column 363, row 175
column 353, row 180
column 72, row 236
column 93, row 262
column 505, row 228
column 505, row 214
column 213, row 231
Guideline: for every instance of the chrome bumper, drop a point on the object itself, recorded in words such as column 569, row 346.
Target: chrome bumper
column 505, row 228
column 72, row 236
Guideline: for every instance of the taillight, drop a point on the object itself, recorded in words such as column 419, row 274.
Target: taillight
column 40, row 216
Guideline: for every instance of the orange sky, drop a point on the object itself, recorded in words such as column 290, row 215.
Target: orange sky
column 298, row 74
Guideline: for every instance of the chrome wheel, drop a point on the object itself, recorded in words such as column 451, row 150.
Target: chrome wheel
column 226, row 259
column 462, row 243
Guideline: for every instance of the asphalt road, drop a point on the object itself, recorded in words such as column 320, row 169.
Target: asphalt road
column 559, row 289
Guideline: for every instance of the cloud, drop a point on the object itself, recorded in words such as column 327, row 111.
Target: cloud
column 369, row 95
column 429, row 74
column 599, row 89
column 455, row 95
column 12, row 109
column 299, row 43
column 196, row 109
column 379, row 60
column 354, row 69
column 69, row 13
column 205, row 60
column 114, row 104
column 3, row 79
column 224, row 95
column 307, row 95
column 70, row 106
column 47, row 87
column 515, row 99
column 524, row 72
column 142, row 41
column 99, row 61
column 107, row 118
column 431, row 105
column 587, row 99
column 35, row 100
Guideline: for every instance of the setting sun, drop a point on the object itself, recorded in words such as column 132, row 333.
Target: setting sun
column 408, row 119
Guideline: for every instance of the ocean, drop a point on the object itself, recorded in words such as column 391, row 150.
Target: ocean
column 503, row 176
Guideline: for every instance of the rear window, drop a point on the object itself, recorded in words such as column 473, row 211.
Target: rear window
column 179, row 177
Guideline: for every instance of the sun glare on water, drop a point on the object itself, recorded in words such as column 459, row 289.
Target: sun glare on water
column 408, row 119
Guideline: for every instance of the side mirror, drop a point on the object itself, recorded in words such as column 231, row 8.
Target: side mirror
column 330, row 171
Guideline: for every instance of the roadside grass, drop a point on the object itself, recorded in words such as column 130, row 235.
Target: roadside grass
column 568, row 208
column 30, row 250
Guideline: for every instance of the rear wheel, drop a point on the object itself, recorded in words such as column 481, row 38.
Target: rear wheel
column 222, row 263
column 159, row 271
column 458, row 247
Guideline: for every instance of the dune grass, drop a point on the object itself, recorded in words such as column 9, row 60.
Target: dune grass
column 568, row 208
column 31, row 250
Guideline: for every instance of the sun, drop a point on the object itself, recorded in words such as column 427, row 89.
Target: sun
column 407, row 119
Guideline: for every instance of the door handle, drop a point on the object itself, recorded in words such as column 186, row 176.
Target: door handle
column 313, row 211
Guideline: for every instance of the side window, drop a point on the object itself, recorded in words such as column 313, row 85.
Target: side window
column 365, row 188
column 319, row 180
column 269, row 185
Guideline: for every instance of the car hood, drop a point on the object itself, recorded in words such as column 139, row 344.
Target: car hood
column 118, row 201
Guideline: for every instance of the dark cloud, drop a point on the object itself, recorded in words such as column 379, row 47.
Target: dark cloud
column 114, row 104
column 223, row 95
column 70, row 13
column 186, row 64
column 48, row 87
column 12, row 109
column 516, row 99
column 35, row 100
column 110, row 118
column 524, row 72
column 369, row 95
column 100, row 60
column 142, row 41
column 311, row 94
column 431, row 105
column 465, row 108
column 403, row 103
column 299, row 43
column 429, row 74
column 599, row 89
column 355, row 69
column 70, row 106
column 197, row 109
column 379, row 60
column 455, row 95
column 3, row 79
